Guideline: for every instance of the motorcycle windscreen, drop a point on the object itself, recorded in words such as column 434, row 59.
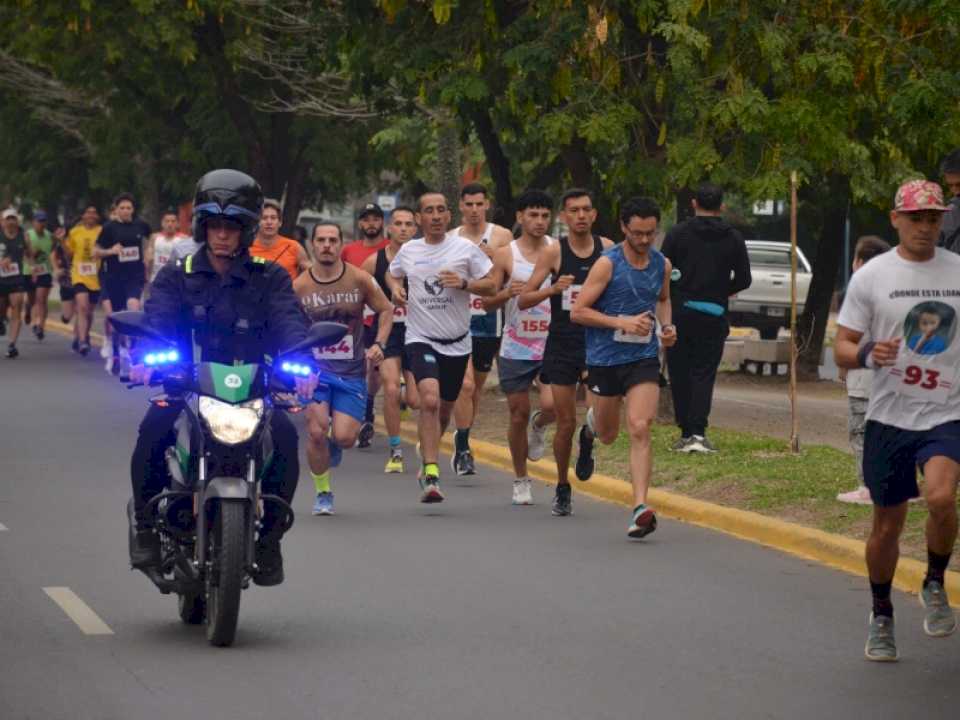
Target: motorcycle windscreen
column 231, row 383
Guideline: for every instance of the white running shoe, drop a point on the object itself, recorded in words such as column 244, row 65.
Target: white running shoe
column 521, row 492
column 105, row 350
column 536, row 438
column 860, row 496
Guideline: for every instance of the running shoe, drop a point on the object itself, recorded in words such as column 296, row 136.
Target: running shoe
column 430, row 489
column 35, row 329
column 75, row 345
column 536, row 438
column 585, row 463
column 395, row 462
column 323, row 504
column 366, row 435
column 644, row 522
column 123, row 364
column 12, row 351
column 682, row 445
column 40, row 334
column 105, row 351
column 84, row 349
column 563, row 501
column 521, row 492
column 700, row 444
column 939, row 620
column 881, row 646
column 860, row 496
column 462, row 463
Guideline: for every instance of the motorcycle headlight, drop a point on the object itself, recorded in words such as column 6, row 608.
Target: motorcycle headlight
column 231, row 424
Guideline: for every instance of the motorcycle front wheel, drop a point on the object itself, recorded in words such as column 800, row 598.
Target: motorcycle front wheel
column 225, row 582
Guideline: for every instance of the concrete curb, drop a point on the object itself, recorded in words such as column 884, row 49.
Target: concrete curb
column 822, row 547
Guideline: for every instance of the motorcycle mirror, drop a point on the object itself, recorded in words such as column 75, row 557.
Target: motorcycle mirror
column 320, row 334
column 135, row 324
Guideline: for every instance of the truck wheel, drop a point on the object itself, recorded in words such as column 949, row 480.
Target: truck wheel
column 769, row 332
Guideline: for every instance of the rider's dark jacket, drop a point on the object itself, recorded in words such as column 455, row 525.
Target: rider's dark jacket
column 250, row 313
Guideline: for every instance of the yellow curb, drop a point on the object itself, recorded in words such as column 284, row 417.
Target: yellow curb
column 825, row 548
column 96, row 339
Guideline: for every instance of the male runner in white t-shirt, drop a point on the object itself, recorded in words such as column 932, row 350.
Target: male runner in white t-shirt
column 441, row 271
column 907, row 302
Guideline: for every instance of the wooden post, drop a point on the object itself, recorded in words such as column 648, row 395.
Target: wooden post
column 794, row 418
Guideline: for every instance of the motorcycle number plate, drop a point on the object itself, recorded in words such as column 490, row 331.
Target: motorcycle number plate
column 343, row 350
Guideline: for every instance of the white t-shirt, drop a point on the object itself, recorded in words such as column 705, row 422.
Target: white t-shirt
column 434, row 311
column 919, row 302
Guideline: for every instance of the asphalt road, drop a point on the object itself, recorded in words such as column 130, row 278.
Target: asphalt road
column 392, row 609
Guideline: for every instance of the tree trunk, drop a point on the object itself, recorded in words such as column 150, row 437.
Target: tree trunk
column 148, row 204
column 581, row 170
column 448, row 166
column 498, row 164
column 812, row 325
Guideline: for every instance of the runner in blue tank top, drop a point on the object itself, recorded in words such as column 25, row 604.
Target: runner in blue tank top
column 625, row 307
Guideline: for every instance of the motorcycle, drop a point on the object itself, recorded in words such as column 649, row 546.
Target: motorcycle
column 209, row 518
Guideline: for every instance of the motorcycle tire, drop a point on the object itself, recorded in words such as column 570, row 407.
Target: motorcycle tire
column 192, row 607
column 228, row 540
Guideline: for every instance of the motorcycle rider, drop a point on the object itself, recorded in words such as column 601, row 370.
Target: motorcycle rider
column 238, row 308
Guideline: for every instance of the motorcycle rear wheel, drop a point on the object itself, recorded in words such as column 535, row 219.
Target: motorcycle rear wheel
column 228, row 541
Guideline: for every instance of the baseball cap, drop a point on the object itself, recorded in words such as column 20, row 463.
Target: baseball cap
column 10, row 212
column 918, row 195
column 370, row 209
column 40, row 216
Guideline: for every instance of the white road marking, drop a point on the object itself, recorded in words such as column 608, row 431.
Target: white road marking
column 78, row 611
column 3, row 527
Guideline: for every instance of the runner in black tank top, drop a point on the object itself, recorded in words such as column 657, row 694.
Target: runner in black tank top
column 562, row 331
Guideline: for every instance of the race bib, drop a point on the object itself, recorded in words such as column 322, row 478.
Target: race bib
column 570, row 296
column 368, row 312
column 13, row 270
column 928, row 380
column 343, row 350
column 399, row 314
column 162, row 260
column 621, row 336
column 532, row 326
column 41, row 269
column 129, row 254
column 87, row 268
column 476, row 305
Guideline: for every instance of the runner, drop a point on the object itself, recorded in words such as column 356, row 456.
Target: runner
column 81, row 246
column 335, row 291
column 625, row 306
column 485, row 323
column 120, row 247
column 441, row 270
column 520, row 362
column 38, row 273
column 13, row 253
column 271, row 245
column 370, row 222
column 403, row 226
column 907, row 302
column 564, row 358
column 61, row 273
column 160, row 246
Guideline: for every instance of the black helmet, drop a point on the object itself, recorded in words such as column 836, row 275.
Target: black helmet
column 229, row 194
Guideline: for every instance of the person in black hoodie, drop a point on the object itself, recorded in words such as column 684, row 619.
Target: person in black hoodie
column 710, row 264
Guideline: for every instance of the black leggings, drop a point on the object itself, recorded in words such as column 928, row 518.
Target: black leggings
column 148, row 469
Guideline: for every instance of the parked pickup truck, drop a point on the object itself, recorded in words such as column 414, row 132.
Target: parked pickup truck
column 765, row 305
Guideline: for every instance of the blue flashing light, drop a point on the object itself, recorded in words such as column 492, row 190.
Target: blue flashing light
column 173, row 356
column 285, row 367
column 150, row 359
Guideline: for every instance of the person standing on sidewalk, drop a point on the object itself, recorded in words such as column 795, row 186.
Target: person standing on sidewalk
column 858, row 383
column 710, row 264
column 913, row 419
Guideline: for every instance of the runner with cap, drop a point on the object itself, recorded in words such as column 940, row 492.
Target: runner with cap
column 907, row 302
column 625, row 307
column 14, row 250
column 394, row 366
column 442, row 271
column 38, row 273
column 371, row 241
column 486, row 323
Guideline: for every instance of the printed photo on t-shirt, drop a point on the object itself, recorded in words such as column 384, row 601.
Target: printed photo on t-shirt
column 930, row 328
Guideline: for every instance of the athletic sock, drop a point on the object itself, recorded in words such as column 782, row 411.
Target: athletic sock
column 936, row 567
column 589, row 424
column 394, row 441
column 431, row 469
column 322, row 481
column 368, row 416
column 881, row 598
column 461, row 439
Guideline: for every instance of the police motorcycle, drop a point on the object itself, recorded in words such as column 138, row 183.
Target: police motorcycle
column 209, row 518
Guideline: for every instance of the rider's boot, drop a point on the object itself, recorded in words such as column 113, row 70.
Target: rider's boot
column 144, row 543
column 269, row 562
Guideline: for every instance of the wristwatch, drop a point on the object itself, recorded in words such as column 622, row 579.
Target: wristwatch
column 465, row 284
column 379, row 345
